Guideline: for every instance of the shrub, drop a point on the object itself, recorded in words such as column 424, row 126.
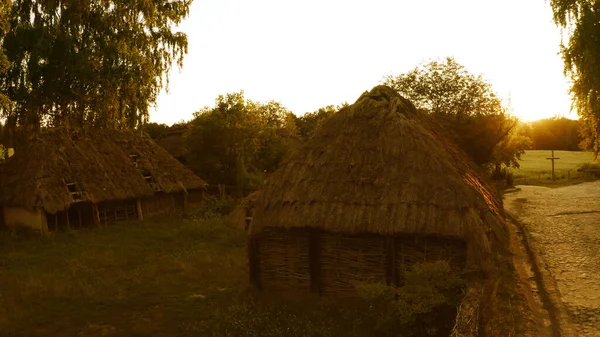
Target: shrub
column 213, row 206
column 424, row 306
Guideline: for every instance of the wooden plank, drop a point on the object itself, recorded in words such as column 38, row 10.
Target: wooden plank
column 138, row 205
column 391, row 268
column 68, row 221
column 253, row 251
column 185, row 201
column 314, row 252
column 96, row 214
column 45, row 228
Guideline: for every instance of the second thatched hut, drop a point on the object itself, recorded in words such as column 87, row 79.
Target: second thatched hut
column 375, row 191
column 64, row 178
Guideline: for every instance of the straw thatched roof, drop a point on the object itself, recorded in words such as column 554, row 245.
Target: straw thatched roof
column 237, row 218
column 100, row 162
column 380, row 166
column 172, row 139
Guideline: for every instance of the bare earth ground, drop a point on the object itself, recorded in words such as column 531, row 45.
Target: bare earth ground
column 564, row 230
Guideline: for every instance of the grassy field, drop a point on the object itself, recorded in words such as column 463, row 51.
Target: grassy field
column 537, row 170
column 165, row 277
column 153, row 278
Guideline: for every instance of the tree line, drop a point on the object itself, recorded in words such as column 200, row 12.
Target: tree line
column 239, row 142
column 102, row 63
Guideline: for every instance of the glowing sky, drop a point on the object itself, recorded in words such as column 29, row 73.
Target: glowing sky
column 311, row 53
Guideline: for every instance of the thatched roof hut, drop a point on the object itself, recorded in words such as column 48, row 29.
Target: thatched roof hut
column 376, row 190
column 60, row 167
column 241, row 216
column 173, row 141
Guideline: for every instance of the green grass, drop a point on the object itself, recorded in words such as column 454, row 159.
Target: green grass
column 165, row 277
column 155, row 278
column 537, row 170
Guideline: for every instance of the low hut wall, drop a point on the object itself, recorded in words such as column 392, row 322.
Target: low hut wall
column 310, row 260
column 19, row 216
column 283, row 261
column 345, row 260
column 113, row 211
column 78, row 215
column 158, row 204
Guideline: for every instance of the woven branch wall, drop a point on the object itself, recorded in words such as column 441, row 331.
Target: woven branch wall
column 345, row 260
column 283, row 259
column 416, row 249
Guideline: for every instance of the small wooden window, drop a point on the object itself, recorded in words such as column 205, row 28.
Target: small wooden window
column 148, row 177
column 135, row 159
column 75, row 191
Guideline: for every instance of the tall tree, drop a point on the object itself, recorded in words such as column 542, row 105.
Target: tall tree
column 580, row 20
column 5, row 6
column 467, row 107
column 310, row 122
column 238, row 140
column 94, row 62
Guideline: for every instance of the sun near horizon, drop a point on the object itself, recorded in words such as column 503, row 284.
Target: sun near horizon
column 316, row 53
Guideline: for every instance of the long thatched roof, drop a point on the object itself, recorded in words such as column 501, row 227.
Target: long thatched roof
column 105, row 165
column 380, row 166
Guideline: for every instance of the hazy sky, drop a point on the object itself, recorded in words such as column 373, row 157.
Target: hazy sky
column 311, row 53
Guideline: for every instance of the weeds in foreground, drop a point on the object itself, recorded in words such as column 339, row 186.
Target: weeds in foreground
column 185, row 277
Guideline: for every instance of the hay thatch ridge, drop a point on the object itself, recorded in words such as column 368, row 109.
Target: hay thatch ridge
column 379, row 166
column 99, row 161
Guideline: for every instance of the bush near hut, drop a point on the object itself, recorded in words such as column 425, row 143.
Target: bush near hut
column 424, row 306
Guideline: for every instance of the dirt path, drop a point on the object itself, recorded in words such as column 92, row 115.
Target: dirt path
column 564, row 229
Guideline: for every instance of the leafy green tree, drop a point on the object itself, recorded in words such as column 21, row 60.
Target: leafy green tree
column 310, row 122
column 154, row 130
column 581, row 54
column 5, row 6
column 94, row 62
column 556, row 134
column 467, row 107
column 237, row 141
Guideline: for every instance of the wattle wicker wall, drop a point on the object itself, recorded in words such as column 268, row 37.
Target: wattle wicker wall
column 344, row 260
column 283, row 261
column 307, row 260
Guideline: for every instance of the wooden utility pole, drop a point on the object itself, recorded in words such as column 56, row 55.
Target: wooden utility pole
column 553, row 159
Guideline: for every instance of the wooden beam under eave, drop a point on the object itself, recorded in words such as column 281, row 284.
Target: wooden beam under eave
column 138, row 206
column 96, row 214
column 254, row 263
column 314, row 260
column 44, row 219
column 68, row 221
column 185, row 201
column 391, row 268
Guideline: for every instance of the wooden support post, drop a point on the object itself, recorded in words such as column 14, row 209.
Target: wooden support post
column 138, row 205
column 552, row 158
column 391, row 268
column 56, row 221
column 44, row 217
column 185, row 201
column 253, row 249
column 314, row 252
column 96, row 214
column 68, row 221
column 79, row 215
